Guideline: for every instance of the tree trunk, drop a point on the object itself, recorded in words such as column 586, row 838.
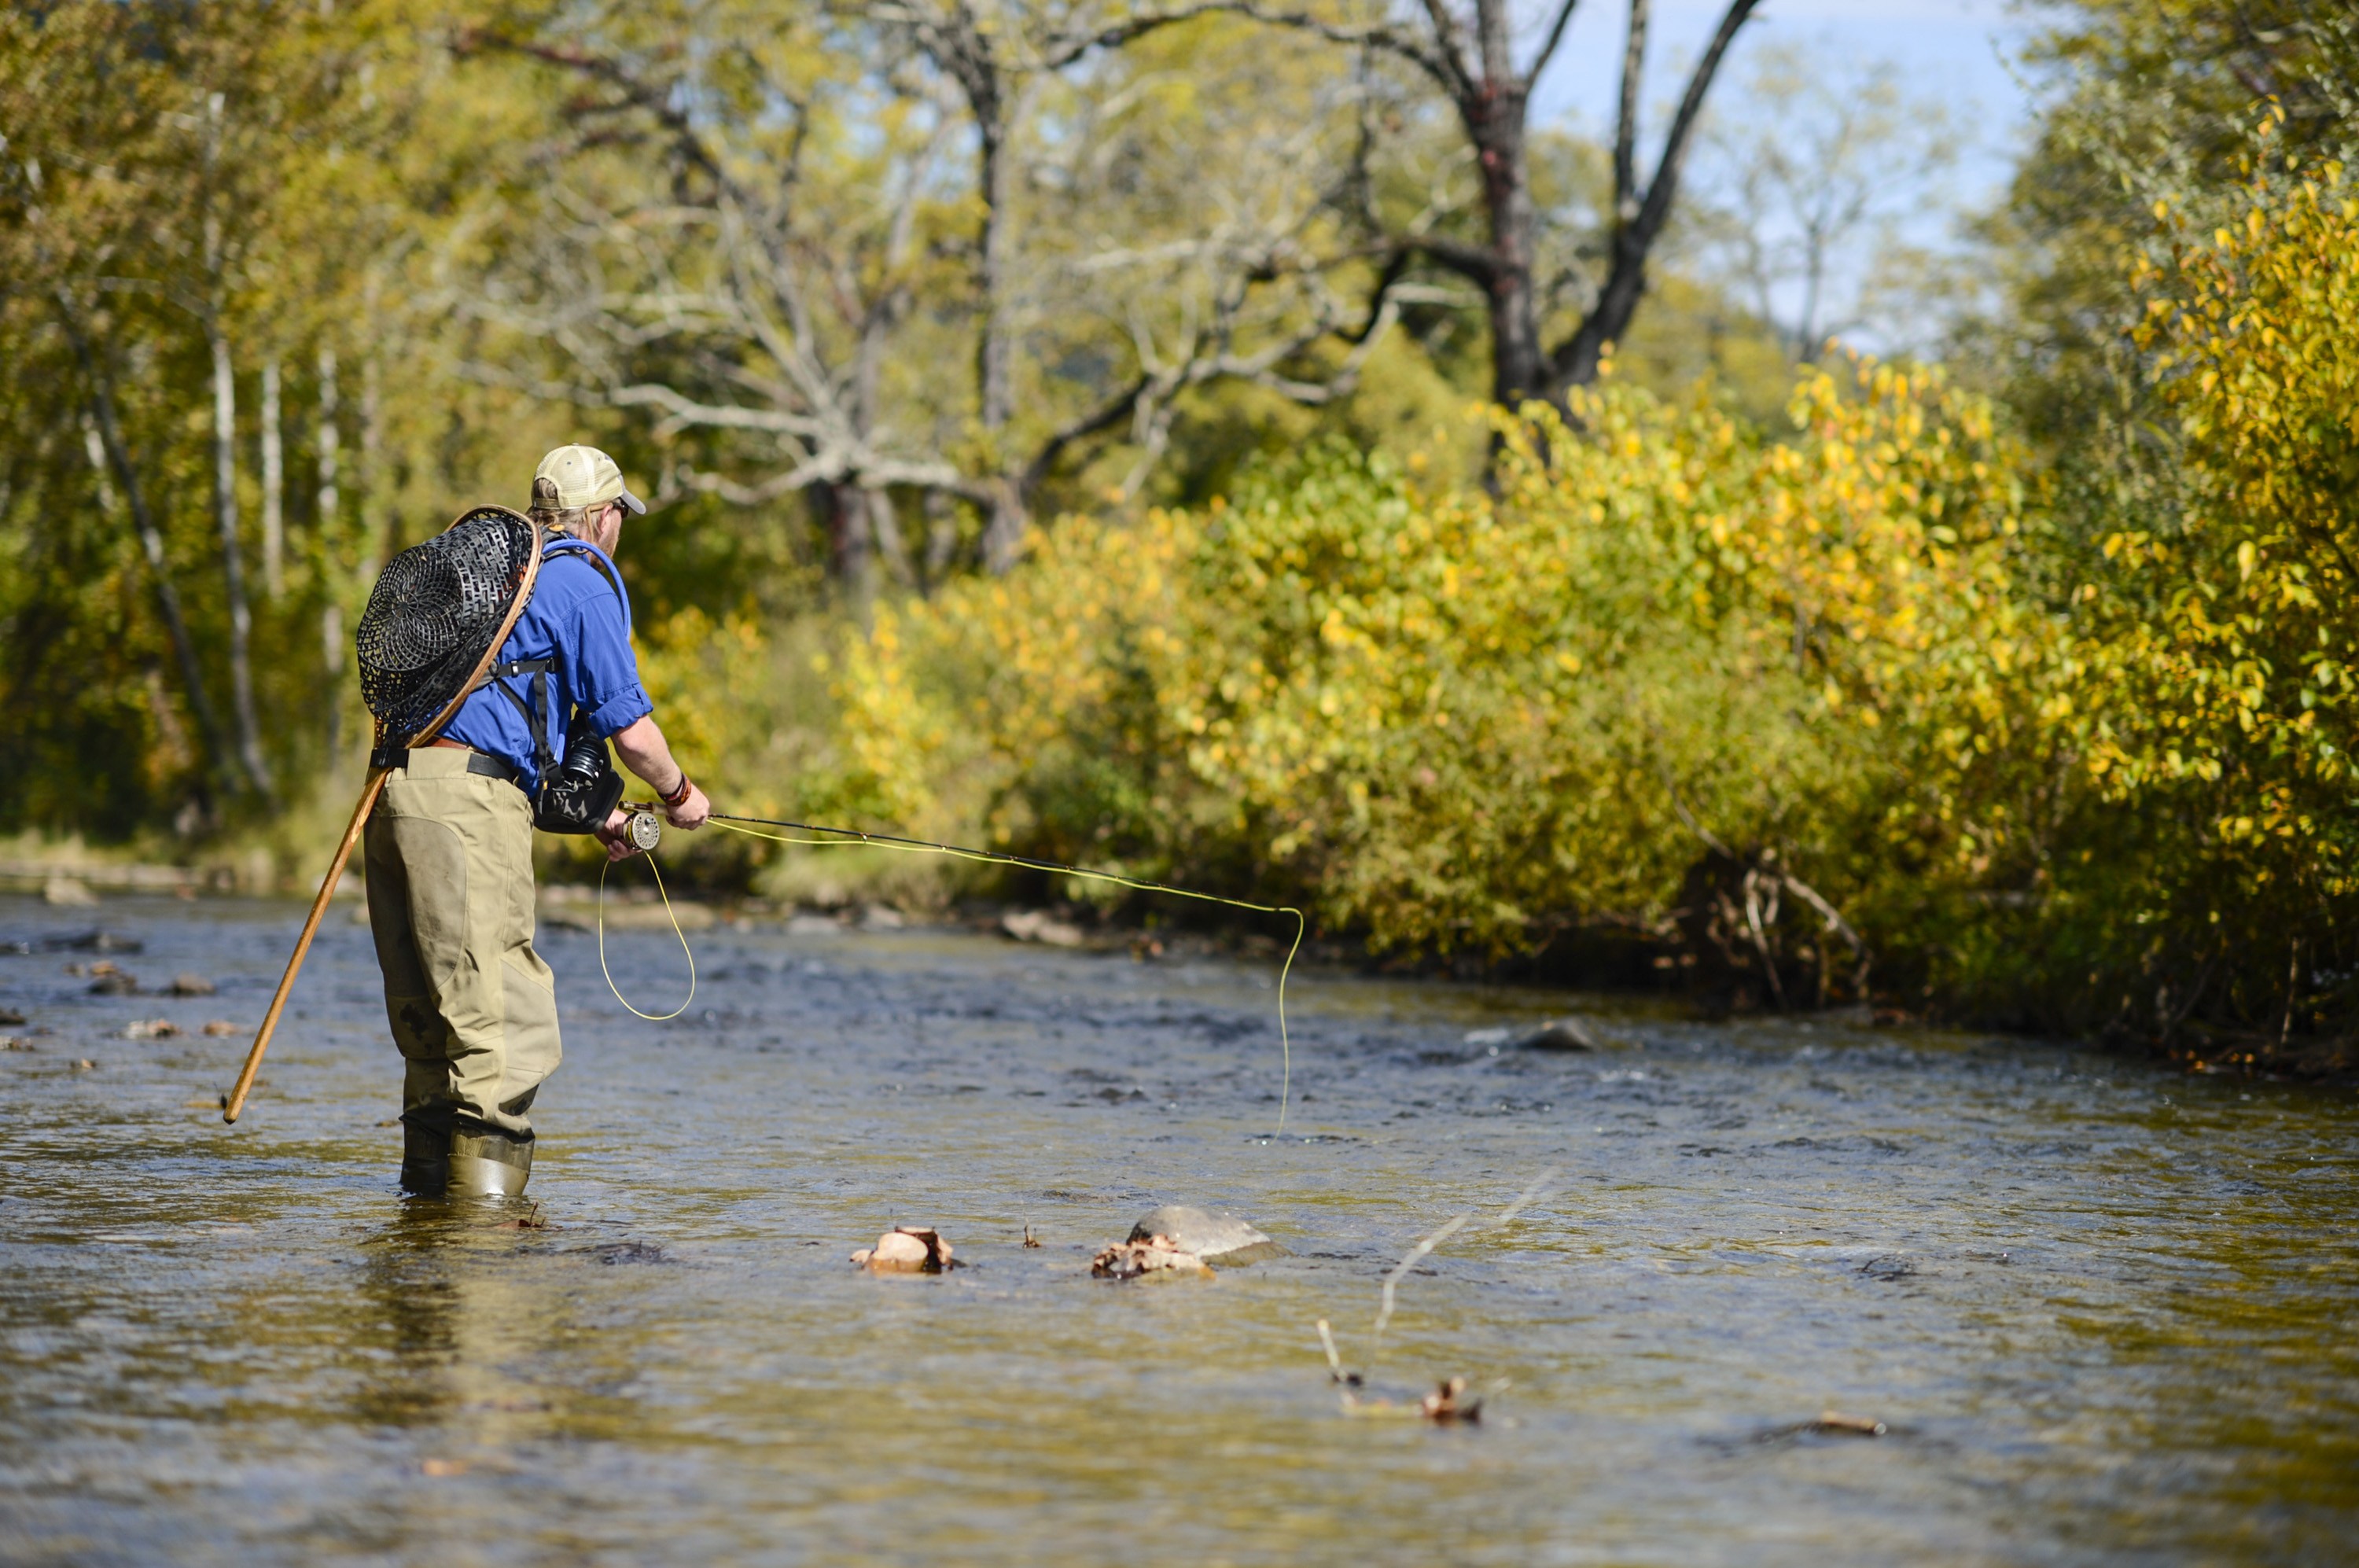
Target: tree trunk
column 1640, row 216
column 842, row 510
column 942, row 539
column 273, row 488
column 1625, row 285
column 376, row 530
column 332, row 655
column 1495, row 124
column 241, row 619
column 1003, row 535
column 993, row 354
column 151, row 542
column 884, row 531
column 1493, row 106
column 327, row 444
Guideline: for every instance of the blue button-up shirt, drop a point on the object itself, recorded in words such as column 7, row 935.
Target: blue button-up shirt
column 577, row 618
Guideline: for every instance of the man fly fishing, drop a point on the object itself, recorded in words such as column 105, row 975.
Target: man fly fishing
column 448, row 844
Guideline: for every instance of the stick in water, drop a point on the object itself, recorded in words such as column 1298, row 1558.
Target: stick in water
column 1392, row 1281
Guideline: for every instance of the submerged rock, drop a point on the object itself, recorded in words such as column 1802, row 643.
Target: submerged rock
column 1557, row 1034
column 1039, row 925
column 1155, row 1255
column 1217, row 1236
column 96, row 940
column 189, row 985
column 1567, row 1033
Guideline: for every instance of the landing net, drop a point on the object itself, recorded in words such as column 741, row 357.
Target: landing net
column 438, row 612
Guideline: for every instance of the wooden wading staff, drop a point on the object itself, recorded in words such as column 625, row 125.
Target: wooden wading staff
column 235, row 1103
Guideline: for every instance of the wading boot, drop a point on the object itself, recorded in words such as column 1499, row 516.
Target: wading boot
column 426, row 1150
column 487, row 1163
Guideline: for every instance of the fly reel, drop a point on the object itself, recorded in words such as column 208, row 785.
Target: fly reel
column 646, row 830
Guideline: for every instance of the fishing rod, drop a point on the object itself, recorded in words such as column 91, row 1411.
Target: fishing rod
column 645, row 832
column 436, row 617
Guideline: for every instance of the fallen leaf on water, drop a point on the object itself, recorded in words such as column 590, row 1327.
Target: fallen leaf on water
column 1449, row 1403
column 83, row 1065
column 445, row 1466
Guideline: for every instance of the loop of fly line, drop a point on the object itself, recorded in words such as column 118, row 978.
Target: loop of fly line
column 847, row 837
column 651, row 1017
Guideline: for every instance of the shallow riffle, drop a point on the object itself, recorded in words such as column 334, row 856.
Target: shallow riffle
column 2107, row 1312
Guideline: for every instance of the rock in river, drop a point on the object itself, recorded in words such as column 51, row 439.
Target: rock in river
column 906, row 1249
column 1567, row 1033
column 1215, row 1237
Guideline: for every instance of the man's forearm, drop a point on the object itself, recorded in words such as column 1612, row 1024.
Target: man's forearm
column 644, row 752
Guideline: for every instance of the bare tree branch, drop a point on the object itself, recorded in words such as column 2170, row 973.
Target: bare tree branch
column 1547, row 45
column 1625, row 121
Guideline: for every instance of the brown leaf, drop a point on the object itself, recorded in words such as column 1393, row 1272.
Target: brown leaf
column 1156, row 1254
column 1449, row 1403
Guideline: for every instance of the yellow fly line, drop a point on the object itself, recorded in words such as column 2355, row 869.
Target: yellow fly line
column 845, row 838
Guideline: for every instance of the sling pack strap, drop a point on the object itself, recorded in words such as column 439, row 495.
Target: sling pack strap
column 536, row 716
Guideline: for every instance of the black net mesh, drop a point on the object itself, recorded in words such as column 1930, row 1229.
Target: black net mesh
column 433, row 613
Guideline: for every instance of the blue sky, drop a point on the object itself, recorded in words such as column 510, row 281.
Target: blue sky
column 1949, row 50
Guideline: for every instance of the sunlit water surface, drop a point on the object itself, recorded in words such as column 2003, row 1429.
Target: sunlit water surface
column 2109, row 1314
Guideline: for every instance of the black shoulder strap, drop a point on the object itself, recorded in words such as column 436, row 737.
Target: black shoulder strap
column 536, row 718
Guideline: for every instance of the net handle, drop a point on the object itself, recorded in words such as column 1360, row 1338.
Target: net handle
column 233, row 1104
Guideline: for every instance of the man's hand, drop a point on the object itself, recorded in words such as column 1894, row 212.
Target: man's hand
column 689, row 813
column 616, row 836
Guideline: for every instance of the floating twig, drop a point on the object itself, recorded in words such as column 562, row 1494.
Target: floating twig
column 1385, row 1300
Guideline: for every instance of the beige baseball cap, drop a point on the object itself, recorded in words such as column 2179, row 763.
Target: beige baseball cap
column 584, row 476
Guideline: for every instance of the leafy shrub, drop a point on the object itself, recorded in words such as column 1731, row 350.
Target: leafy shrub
column 1475, row 721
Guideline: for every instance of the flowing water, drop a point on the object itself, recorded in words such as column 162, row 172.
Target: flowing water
column 2108, row 1314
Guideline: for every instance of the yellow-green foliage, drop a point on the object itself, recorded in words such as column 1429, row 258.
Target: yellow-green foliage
column 2224, row 648
column 1457, row 718
column 745, row 714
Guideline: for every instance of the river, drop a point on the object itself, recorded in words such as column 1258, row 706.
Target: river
column 2107, row 1312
